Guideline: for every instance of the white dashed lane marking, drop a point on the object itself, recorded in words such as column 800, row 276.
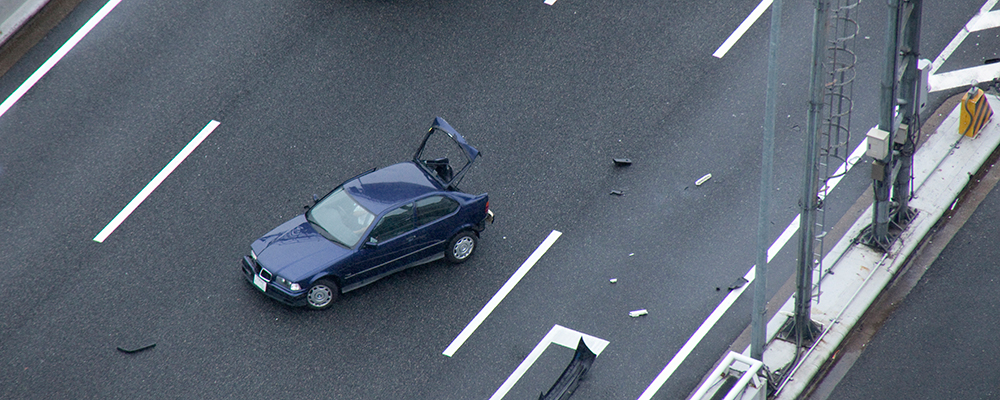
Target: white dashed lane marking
column 151, row 186
column 499, row 296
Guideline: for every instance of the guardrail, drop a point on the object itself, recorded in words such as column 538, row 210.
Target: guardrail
column 737, row 375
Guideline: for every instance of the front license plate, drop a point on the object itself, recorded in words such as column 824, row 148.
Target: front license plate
column 259, row 283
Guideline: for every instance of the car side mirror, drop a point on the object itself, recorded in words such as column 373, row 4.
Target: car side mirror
column 315, row 200
column 371, row 243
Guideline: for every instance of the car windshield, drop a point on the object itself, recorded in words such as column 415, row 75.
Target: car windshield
column 343, row 219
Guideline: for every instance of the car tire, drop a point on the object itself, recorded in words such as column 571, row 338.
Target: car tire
column 322, row 294
column 461, row 246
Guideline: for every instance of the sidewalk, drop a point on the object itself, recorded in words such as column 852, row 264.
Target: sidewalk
column 14, row 13
column 855, row 274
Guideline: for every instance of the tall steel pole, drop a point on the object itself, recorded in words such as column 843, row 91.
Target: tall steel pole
column 801, row 327
column 898, row 106
column 909, row 108
column 758, row 334
column 882, row 169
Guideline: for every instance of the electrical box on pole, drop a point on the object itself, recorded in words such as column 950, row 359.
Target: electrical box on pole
column 923, row 86
column 878, row 144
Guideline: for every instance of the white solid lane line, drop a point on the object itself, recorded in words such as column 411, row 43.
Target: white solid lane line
column 498, row 297
column 139, row 198
column 727, row 302
column 688, row 346
column 742, row 29
column 59, row 54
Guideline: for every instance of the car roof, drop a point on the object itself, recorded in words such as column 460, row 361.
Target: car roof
column 384, row 188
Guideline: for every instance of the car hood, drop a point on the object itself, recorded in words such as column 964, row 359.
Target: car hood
column 296, row 251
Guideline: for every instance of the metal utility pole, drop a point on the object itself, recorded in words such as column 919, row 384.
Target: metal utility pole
column 899, row 117
column 758, row 334
column 801, row 327
column 909, row 107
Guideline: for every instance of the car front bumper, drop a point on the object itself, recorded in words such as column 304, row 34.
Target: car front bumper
column 251, row 270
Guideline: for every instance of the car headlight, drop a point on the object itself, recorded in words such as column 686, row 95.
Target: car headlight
column 287, row 284
column 253, row 255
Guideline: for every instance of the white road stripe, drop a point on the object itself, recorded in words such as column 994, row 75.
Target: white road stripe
column 978, row 21
column 151, row 186
column 499, row 296
column 984, row 21
column 963, row 77
column 727, row 302
column 550, row 2
column 696, row 337
column 562, row 336
column 59, row 54
column 742, row 29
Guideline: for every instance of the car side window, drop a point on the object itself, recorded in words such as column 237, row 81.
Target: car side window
column 394, row 223
column 434, row 207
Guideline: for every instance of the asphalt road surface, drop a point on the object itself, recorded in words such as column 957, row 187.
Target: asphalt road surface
column 311, row 92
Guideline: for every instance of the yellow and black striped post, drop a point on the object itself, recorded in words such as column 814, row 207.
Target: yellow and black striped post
column 975, row 113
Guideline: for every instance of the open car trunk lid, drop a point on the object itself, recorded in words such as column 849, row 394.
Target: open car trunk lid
column 445, row 154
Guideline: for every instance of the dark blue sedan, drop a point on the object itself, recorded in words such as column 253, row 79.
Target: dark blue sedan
column 373, row 225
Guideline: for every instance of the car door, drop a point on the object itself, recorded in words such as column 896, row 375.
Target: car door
column 435, row 223
column 389, row 245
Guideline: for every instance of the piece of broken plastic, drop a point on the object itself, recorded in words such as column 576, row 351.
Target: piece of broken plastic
column 136, row 350
column 702, row 180
column 637, row 313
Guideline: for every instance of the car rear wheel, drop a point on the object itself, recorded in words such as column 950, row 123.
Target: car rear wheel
column 322, row 294
column 461, row 247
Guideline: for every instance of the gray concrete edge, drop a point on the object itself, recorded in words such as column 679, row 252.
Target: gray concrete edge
column 10, row 25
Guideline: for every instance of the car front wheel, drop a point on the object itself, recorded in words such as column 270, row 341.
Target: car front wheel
column 322, row 294
column 461, row 246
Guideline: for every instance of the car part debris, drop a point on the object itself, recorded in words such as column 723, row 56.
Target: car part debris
column 613, row 280
column 136, row 350
column 617, row 192
column 702, row 180
column 622, row 162
column 738, row 284
column 637, row 313
column 570, row 378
